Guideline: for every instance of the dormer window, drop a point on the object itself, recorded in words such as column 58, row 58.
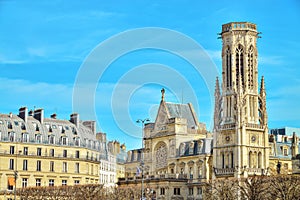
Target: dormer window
column 25, row 137
column 51, row 139
column 11, row 136
column 64, row 140
column 1, row 122
column 38, row 138
column 77, row 141
column 182, row 149
column 23, row 127
column 9, row 125
column 16, row 123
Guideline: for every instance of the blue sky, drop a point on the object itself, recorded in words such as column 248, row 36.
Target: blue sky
column 43, row 45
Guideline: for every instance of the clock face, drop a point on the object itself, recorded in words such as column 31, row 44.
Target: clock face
column 227, row 138
column 253, row 138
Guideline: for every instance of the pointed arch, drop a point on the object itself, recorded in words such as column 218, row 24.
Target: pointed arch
column 251, row 71
column 228, row 67
column 239, row 63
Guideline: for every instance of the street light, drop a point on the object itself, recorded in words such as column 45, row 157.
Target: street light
column 142, row 156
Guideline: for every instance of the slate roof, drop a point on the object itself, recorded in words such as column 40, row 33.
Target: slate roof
column 58, row 128
column 182, row 111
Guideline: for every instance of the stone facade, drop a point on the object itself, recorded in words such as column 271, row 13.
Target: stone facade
column 241, row 145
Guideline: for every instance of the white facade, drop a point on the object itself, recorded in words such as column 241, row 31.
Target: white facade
column 108, row 172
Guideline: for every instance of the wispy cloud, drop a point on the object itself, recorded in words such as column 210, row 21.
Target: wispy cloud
column 270, row 60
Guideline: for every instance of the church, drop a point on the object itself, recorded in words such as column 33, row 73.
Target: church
column 179, row 155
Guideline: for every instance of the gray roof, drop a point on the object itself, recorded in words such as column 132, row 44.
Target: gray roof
column 50, row 127
column 205, row 147
column 182, row 111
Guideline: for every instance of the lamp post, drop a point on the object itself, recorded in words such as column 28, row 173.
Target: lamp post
column 142, row 155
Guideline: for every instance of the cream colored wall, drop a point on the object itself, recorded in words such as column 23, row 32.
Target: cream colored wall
column 88, row 169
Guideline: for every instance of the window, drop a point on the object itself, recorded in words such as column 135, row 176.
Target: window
column 64, row 140
column 199, row 191
column 9, row 125
column 65, row 153
column 51, row 182
column 64, row 182
column 77, row 141
column 0, row 135
column 25, row 165
column 65, row 167
column 162, row 191
column 176, row 191
column 285, row 152
column 76, row 167
column 51, row 139
column 12, row 150
column 38, row 138
column 11, row 164
column 38, row 165
column 24, row 182
column 76, row 154
column 51, row 166
column 76, row 182
column 25, row 137
column 11, row 136
column 1, row 122
column 54, row 126
column 11, row 183
column 16, row 123
column 39, row 151
column 52, row 152
column 191, row 191
column 25, row 151
column 38, row 182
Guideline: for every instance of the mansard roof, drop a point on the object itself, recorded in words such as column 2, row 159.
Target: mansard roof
column 47, row 127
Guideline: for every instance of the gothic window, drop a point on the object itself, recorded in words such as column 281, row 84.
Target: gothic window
column 250, row 159
column 239, row 62
column 223, row 160
column 228, row 68
column 259, row 160
column 250, row 67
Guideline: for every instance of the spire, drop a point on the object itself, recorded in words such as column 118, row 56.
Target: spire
column 262, row 87
column 217, row 105
column 162, row 95
column 217, row 87
column 263, row 106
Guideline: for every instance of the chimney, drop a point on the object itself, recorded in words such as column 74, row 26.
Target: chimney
column 39, row 115
column 53, row 116
column 30, row 113
column 23, row 113
column 74, row 118
column 91, row 125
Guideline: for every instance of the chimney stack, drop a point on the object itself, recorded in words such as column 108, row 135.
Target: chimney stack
column 53, row 116
column 91, row 125
column 23, row 113
column 39, row 115
column 74, row 118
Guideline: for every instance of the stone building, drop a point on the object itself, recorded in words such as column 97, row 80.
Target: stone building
column 39, row 151
column 241, row 143
column 180, row 154
column 177, row 154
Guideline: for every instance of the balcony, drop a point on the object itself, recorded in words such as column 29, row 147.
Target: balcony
column 224, row 171
column 227, row 126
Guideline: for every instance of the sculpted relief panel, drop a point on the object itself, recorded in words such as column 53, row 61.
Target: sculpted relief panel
column 161, row 156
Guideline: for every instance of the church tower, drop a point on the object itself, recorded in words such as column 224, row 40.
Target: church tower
column 240, row 119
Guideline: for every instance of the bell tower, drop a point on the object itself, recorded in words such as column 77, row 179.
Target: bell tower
column 240, row 118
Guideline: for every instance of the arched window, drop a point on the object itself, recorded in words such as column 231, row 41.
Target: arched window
column 223, row 160
column 250, row 159
column 228, row 68
column 51, row 139
column 77, row 141
column 239, row 63
column 11, row 136
column 38, row 138
column 259, row 160
column 250, row 67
